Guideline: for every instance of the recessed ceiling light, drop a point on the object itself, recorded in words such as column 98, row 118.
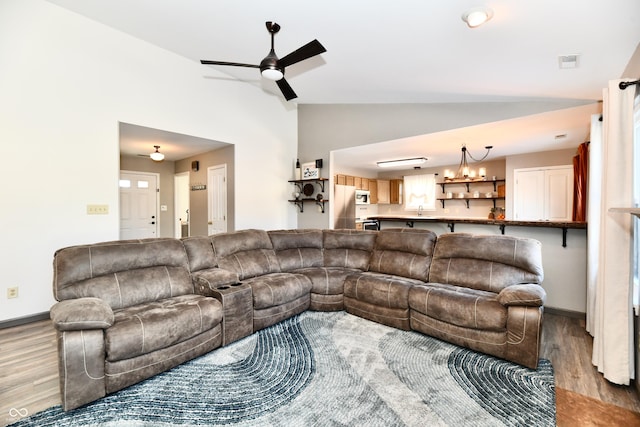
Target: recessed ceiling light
column 477, row 16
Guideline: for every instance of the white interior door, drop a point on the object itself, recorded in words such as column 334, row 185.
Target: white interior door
column 528, row 203
column 217, row 199
column 559, row 191
column 181, row 215
column 138, row 205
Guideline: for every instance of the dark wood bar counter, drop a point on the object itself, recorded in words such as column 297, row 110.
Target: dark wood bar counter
column 410, row 220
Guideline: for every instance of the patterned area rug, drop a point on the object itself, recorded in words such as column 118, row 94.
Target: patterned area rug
column 328, row 369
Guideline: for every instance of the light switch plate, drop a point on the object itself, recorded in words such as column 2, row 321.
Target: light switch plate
column 97, row 209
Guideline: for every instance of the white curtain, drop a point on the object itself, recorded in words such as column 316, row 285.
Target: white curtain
column 609, row 302
column 420, row 190
column 594, row 202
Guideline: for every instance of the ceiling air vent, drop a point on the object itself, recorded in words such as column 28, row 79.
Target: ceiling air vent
column 568, row 61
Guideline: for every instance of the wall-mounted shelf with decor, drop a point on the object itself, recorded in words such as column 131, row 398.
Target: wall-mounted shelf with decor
column 300, row 203
column 306, row 187
column 301, row 182
column 472, row 182
column 466, row 199
column 467, row 183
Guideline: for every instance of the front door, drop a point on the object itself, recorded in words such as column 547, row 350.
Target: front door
column 138, row 205
column 217, row 199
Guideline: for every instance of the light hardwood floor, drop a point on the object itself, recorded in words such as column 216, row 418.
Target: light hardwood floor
column 29, row 370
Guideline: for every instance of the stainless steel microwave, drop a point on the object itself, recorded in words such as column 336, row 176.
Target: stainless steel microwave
column 363, row 197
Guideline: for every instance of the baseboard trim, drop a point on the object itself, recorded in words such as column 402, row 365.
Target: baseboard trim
column 24, row 320
column 566, row 313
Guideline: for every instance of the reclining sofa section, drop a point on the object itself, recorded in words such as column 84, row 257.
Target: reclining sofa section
column 128, row 310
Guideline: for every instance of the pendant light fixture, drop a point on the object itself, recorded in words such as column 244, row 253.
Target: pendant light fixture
column 464, row 172
column 156, row 156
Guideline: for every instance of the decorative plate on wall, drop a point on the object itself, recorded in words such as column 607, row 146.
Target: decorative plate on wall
column 307, row 189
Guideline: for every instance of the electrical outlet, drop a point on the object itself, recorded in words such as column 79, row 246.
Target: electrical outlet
column 12, row 292
column 97, row 209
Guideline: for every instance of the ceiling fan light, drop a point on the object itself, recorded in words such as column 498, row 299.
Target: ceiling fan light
column 402, row 162
column 477, row 16
column 156, row 156
column 272, row 74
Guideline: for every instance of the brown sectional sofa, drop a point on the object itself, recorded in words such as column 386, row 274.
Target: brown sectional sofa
column 131, row 309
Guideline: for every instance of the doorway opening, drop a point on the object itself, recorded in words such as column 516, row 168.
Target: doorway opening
column 182, row 226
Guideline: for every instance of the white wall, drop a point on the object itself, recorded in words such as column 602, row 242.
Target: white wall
column 65, row 82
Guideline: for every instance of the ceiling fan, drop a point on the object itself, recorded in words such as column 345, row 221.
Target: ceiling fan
column 272, row 68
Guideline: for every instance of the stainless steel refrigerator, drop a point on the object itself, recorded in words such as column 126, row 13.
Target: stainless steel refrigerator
column 344, row 206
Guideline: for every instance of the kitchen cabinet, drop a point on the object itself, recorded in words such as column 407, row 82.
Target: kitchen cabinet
column 350, row 180
column 384, row 191
column 373, row 191
column 482, row 186
column 364, row 185
column 357, row 181
column 395, row 191
column 341, row 179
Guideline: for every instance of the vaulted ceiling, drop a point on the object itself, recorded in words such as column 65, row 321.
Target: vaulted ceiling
column 407, row 51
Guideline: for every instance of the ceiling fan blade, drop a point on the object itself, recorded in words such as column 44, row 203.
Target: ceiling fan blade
column 286, row 90
column 310, row 49
column 234, row 64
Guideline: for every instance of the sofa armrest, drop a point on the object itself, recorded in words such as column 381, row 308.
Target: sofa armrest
column 529, row 294
column 208, row 280
column 81, row 313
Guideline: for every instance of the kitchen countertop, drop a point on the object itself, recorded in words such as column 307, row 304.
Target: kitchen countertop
column 462, row 220
column 502, row 223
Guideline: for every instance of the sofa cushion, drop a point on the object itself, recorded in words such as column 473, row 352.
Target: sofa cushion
column 248, row 253
column 468, row 308
column 122, row 273
column 132, row 287
column 276, row 289
column 483, row 262
column 403, row 252
column 297, row 248
column 327, row 280
column 200, row 253
column 348, row 248
column 379, row 289
column 156, row 325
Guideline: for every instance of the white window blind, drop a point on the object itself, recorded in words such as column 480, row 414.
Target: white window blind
column 420, row 190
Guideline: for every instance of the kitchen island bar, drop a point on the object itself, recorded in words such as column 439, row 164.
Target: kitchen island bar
column 410, row 220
